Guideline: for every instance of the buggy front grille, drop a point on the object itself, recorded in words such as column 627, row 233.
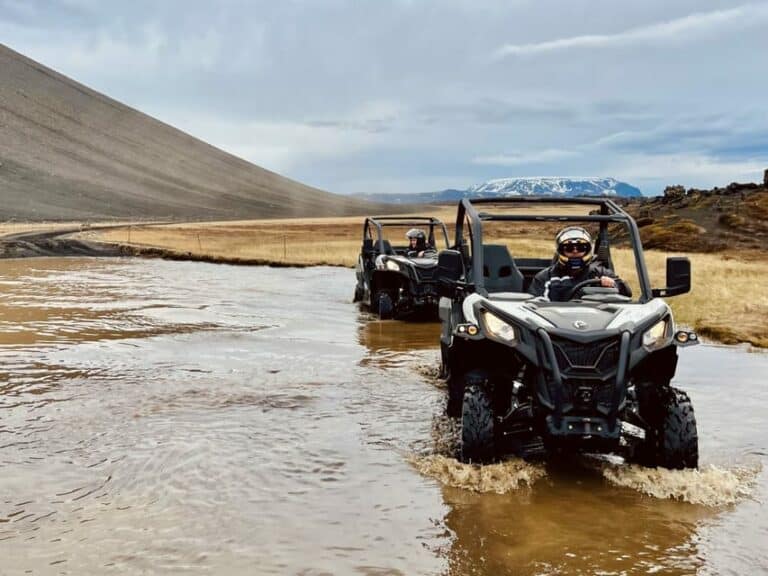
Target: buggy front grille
column 597, row 357
column 588, row 370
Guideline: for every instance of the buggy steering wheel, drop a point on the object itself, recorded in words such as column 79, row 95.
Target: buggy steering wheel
column 576, row 289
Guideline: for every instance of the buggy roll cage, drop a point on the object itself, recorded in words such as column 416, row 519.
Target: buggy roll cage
column 610, row 212
column 380, row 222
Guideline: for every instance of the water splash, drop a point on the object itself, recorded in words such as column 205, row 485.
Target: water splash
column 431, row 372
column 500, row 478
column 445, row 435
column 710, row 486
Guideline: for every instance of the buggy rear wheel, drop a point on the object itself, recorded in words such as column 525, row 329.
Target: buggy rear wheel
column 477, row 433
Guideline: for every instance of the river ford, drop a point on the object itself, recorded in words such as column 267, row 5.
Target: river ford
column 177, row 417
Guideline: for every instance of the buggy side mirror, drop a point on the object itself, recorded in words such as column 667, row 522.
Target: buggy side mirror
column 450, row 267
column 678, row 277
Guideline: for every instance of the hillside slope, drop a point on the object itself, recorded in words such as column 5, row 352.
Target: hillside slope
column 68, row 152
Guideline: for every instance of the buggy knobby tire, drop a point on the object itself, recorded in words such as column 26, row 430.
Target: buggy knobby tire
column 477, row 434
column 358, row 294
column 673, row 442
column 384, row 305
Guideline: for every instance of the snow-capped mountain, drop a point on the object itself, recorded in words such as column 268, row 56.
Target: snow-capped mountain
column 553, row 187
column 503, row 187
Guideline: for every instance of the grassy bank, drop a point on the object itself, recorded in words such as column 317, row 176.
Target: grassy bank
column 724, row 304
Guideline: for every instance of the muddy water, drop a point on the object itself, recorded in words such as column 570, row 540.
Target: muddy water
column 171, row 417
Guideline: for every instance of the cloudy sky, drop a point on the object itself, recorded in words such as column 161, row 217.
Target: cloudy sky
column 417, row 96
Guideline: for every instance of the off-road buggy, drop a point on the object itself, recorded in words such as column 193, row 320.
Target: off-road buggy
column 540, row 378
column 391, row 282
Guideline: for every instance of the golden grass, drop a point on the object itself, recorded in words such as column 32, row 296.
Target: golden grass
column 11, row 227
column 292, row 244
column 725, row 303
column 21, row 227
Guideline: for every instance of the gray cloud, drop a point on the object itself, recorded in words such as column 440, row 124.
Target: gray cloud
column 340, row 93
column 719, row 136
column 680, row 29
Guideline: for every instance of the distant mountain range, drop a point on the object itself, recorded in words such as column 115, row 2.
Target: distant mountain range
column 503, row 187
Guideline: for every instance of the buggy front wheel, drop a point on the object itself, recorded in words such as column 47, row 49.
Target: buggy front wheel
column 384, row 304
column 477, row 427
column 673, row 441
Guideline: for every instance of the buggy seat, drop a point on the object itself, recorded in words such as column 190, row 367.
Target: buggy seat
column 500, row 272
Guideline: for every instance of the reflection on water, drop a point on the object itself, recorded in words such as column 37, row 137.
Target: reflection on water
column 178, row 417
column 570, row 524
column 392, row 344
column 383, row 336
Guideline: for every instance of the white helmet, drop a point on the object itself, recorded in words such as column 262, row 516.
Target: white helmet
column 573, row 236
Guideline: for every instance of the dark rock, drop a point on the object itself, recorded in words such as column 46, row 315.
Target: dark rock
column 673, row 193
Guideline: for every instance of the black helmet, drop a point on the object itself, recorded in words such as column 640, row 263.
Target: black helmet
column 421, row 237
column 568, row 238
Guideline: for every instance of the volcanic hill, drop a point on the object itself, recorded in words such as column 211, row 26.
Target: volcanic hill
column 70, row 153
column 733, row 218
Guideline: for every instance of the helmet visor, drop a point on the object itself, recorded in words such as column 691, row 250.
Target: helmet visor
column 575, row 247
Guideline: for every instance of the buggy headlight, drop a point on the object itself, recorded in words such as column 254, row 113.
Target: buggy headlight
column 656, row 335
column 498, row 328
column 392, row 265
column 384, row 263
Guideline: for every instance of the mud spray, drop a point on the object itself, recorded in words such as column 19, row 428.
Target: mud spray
column 499, row 478
column 709, row 486
column 441, row 464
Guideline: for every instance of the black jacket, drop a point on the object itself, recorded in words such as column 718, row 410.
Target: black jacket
column 554, row 283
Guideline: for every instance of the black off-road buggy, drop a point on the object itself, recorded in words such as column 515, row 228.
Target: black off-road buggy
column 392, row 283
column 538, row 378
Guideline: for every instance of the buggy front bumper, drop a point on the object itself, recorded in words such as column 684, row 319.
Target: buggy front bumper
column 584, row 386
column 581, row 428
column 421, row 295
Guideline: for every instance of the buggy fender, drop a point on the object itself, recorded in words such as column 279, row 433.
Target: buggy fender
column 658, row 366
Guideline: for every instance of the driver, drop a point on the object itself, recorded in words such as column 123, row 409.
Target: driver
column 574, row 264
column 417, row 243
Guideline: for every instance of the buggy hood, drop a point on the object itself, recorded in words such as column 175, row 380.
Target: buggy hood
column 582, row 316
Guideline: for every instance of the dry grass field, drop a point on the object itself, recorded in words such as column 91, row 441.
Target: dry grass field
column 723, row 304
column 7, row 228
column 21, row 227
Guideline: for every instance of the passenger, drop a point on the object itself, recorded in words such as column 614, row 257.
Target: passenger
column 417, row 244
column 574, row 265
